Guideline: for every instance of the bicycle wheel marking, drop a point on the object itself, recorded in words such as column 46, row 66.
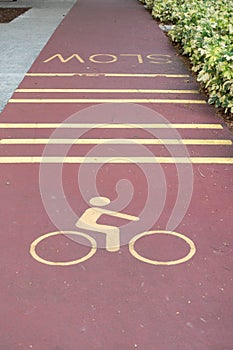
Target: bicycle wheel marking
column 133, row 251
column 62, row 263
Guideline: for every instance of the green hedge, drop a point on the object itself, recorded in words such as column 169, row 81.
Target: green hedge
column 204, row 29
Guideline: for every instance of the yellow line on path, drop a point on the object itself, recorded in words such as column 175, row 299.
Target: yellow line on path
column 149, row 91
column 106, row 126
column 117, row 160
column 115, row 141
column 60, row 100
column 137, row 75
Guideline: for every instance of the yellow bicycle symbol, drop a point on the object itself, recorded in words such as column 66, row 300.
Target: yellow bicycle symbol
column 88, row 221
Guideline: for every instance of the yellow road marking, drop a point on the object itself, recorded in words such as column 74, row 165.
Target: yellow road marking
column 115, row 141
column 149, row 91
column 116, row 160
column 34, row 244
column 60, row 100
column 137, row 75
column 192, row 248
column 106, row 126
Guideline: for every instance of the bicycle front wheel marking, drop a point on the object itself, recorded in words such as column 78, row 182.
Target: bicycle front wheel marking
column 191, row 253
column 63, row 263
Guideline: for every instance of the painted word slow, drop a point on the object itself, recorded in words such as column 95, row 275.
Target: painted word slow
column 101, row 58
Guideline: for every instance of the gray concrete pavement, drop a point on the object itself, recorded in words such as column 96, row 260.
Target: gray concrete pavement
column 22, row 39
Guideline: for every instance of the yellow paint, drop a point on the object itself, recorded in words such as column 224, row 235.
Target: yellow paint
column 99, row 201
column 112, row 59
column 139, row 57
column 64, row 60
column 63, row 100
column 115, row 160
column 132, row 75
column 62, row 263
column 106, row 126
column 159, row 58
column 115, row 141
column 192, row 248
column 88, row 221
column 132, row 250
column 143, row 91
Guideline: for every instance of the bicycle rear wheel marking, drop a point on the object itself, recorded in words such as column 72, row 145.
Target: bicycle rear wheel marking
column 191, row 253
column 62, row 263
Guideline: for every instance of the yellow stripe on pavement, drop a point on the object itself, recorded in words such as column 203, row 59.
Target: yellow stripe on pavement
column 60, row 100
column 149, row 91
column 117, row 160
column 137, row 75
column 115, row 141
column 106, row 126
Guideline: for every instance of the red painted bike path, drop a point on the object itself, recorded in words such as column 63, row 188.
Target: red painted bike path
column 114, row 301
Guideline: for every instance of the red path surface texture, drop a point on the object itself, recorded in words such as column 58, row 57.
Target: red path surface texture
column 109, row 110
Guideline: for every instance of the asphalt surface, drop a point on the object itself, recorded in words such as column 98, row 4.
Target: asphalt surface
column 109, row 110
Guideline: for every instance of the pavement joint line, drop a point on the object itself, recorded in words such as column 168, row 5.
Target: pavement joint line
column 137, row 75
column 156, row 91
column 115, row 141
column 106, row 126
column 54, row 100
column 115, row 160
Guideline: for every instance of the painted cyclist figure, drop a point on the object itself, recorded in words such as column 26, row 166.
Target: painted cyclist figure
column 89, row 221
column 89, row 218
